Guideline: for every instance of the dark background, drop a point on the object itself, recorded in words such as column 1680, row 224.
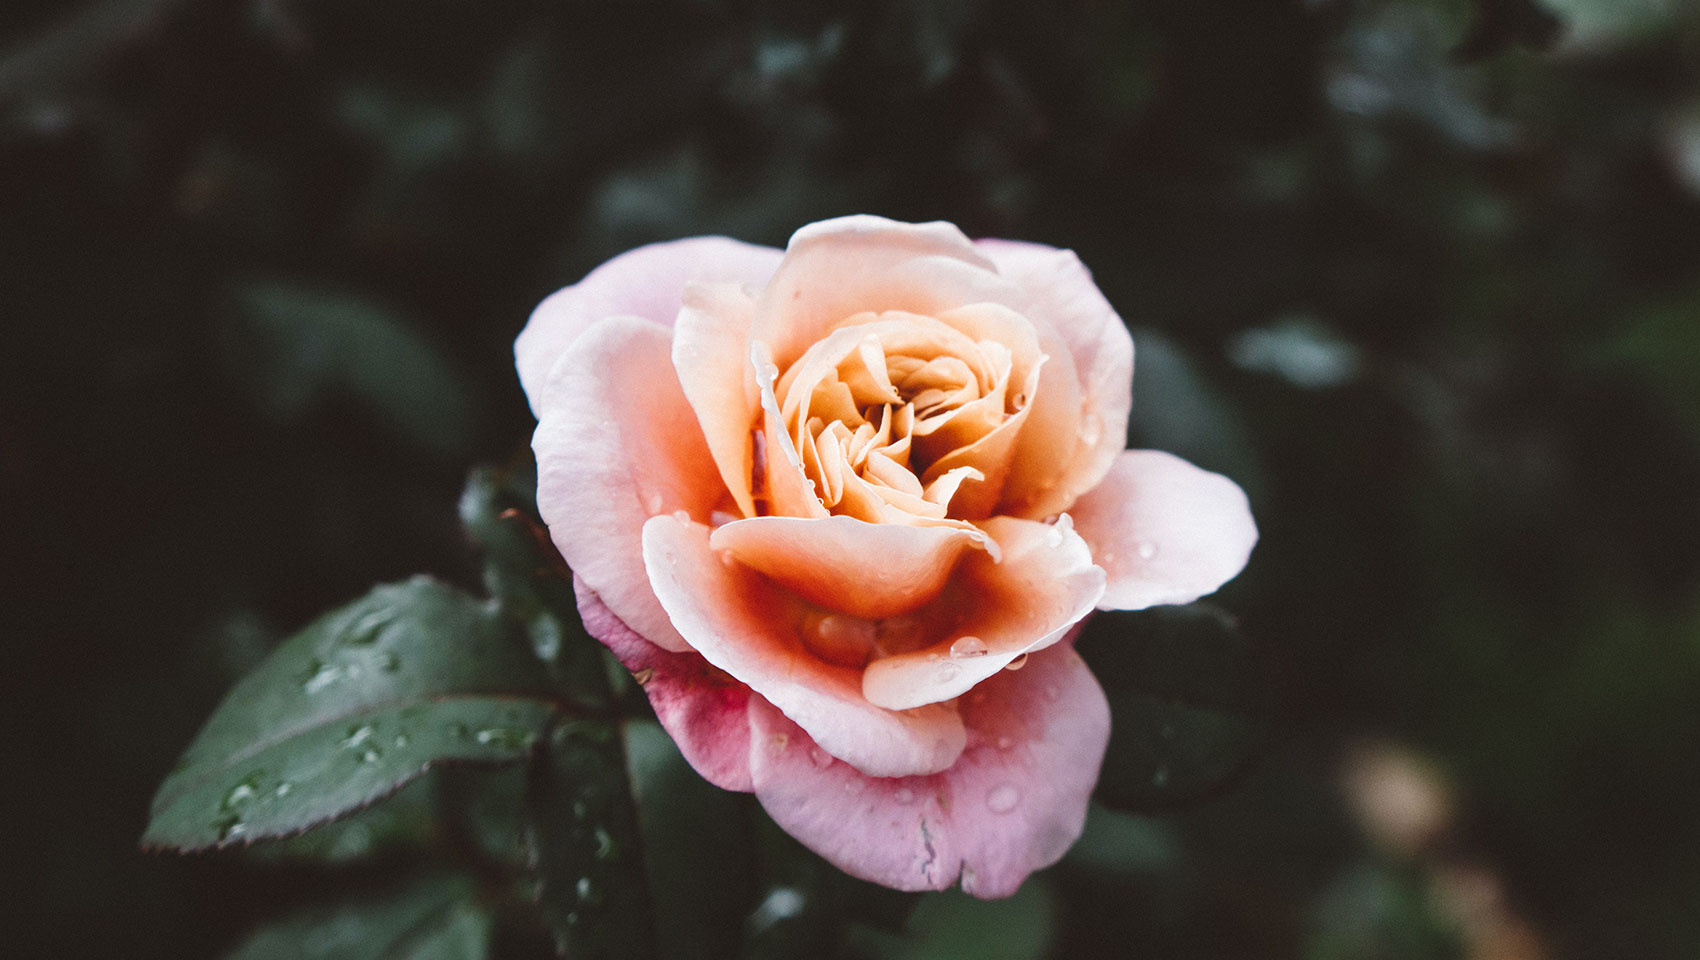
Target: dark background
column 1423, row 275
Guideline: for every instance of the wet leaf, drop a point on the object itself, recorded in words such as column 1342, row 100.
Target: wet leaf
column 350, row 709
column 585, row 860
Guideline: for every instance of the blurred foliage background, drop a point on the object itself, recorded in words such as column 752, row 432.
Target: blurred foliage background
column 1423, row 275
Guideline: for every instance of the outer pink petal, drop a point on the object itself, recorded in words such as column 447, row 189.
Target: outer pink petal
column 616, row 444
column 1044, row 584
column 743, row 624
column 1058, row 290
column 1164, row 530
column 864, row 569
column 646, row 282
column 705, row 711
column 1012, row 804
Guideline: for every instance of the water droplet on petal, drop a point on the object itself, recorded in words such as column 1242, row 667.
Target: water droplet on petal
column 1003, row 799
column 1147, row 550
column 968, row 646
column 820, row 758
column 683, row 516
column 948, row 672
column 1017, row 663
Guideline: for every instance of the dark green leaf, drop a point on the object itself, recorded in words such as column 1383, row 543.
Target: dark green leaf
column 581, row 833
column 432, row 919
column 403, row 822
column 357, row 704
column 529, row 580
column 1189, row 701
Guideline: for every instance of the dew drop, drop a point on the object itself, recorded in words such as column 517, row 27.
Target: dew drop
column 584, row 889
column 604, row 844
column 240, row 794
column 904, row 795
column 283, row 789
column 357, row 736
column 1147, row 550
column 367, row 629
column 1017, row 663
column 230, row 829
column 968, row 646
column 820, row 758
column 948, row 672
column 401, row 740
column 319, row 676
column 370, row 756
column 502, row 737
column 1003, row 799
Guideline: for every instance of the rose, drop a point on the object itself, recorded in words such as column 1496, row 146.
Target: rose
column 840, row 509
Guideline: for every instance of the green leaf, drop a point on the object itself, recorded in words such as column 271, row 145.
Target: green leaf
column 1189, row 703
column 406, row 821
column 581, row 835
column 700, row 843
column 436, row 918
column 529, row 580
column 350, row 709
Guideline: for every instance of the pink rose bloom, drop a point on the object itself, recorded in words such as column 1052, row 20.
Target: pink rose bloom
column 841, row 508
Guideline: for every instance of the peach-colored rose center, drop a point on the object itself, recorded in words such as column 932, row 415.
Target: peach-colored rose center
column 894, row 413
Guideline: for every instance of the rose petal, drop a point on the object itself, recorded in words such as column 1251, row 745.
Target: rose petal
column 1013, row 803
column 604, row 468
column 1044, row 585
column 646, row 282
column 1057, row 291
column 704, row 710
column 1164, row 530
column 838, row 268
column 743, row 624
column 864, row 569
column 714, row 369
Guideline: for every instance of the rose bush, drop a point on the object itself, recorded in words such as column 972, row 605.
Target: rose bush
column 840, row 509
